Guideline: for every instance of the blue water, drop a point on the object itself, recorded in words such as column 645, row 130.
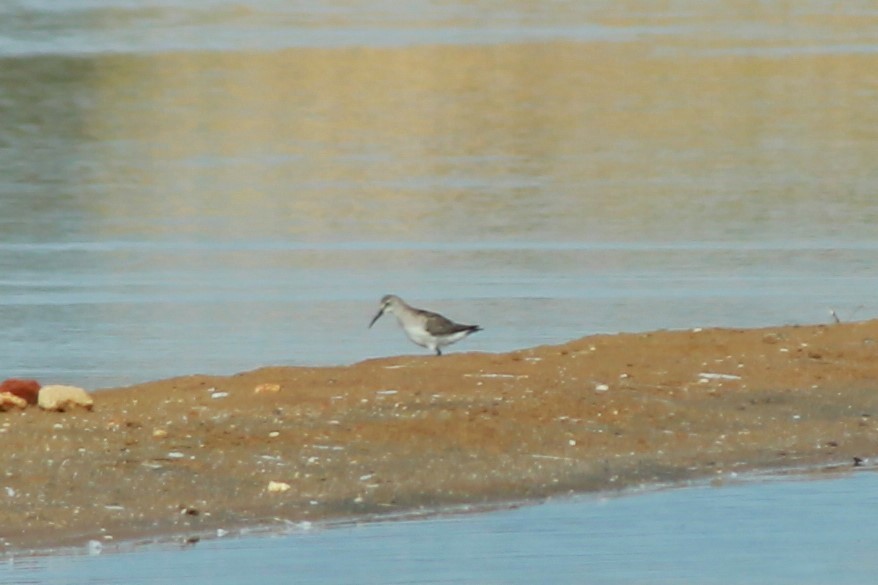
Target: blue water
column 218, row 186
column 110, row 312
column 773, row 532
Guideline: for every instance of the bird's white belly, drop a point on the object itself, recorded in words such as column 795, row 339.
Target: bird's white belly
column 420, row 336
column 449, row 339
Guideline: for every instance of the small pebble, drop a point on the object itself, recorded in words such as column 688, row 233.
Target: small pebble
column 60, row 398
column 278, row 487
column 266, row 389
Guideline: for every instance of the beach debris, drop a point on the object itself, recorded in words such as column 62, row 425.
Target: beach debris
column 550, row 457
column 266, row 388
column 9, row 400
column 23, row 388
column 61, row 398
column 601, row 387
column 159, row 433
column 713, row 376
column 836, row 319
column 275, row 487
column 214, row 393
column 189, row 510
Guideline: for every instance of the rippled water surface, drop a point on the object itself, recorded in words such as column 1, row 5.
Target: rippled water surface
column 803, row 532
column 214, row 186
column 219, row 186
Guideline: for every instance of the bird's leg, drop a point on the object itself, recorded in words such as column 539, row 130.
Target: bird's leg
column 438, row 351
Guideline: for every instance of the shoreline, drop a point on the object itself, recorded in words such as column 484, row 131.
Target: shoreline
column 181, row 458
column 282, row 527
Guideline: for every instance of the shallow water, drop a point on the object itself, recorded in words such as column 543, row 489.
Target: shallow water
column 774, row 532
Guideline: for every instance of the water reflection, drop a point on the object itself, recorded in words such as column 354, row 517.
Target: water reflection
column 174, row 198
column 560, row 142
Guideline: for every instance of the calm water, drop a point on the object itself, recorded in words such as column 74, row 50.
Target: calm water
column 215, row 186
column 802, row 532
column 221, row 186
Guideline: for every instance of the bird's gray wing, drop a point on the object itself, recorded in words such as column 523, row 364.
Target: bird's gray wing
column 436, row 324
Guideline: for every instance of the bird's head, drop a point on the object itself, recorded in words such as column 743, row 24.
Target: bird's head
column 388, row 302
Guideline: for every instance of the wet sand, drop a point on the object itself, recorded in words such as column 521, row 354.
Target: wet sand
column 183, row 457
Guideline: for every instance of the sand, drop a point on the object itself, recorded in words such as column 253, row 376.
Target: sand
column 184, row 457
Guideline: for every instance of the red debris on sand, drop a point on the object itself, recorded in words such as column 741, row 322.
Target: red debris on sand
column 27, row 389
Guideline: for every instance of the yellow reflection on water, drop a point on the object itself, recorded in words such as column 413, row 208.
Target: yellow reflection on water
column 552, row 139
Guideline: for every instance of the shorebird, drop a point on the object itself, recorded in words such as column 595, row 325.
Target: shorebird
column 425, row 328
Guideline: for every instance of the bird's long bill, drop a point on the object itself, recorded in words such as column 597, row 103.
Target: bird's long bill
column 376, row 317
